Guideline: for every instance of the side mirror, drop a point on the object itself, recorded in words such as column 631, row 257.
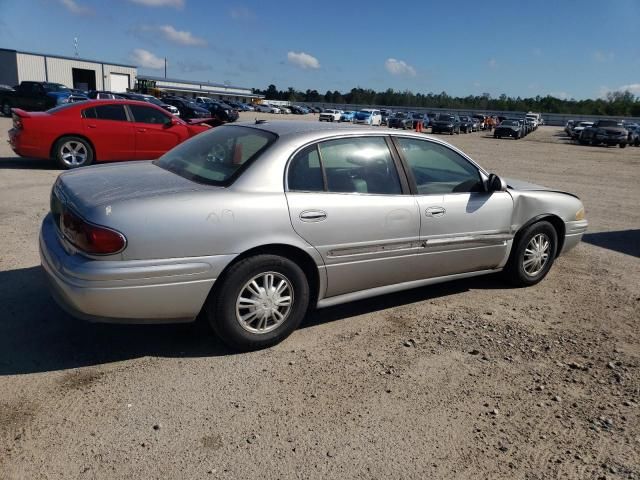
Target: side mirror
column 496, row 184
column 171, row 121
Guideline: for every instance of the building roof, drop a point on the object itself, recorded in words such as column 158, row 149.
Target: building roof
column 68, row 58
column 206, row 91
column 189, row 82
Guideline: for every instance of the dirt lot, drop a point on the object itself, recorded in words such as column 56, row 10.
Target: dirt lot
column 471, row 379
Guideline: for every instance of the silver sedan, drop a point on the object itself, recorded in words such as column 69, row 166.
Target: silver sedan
column 251, row 225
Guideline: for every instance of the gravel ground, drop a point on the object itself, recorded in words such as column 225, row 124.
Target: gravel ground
column 471, row 379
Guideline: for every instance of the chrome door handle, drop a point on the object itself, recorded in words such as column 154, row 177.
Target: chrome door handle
column 313, row 216
column 435, row 211
column 142, row 130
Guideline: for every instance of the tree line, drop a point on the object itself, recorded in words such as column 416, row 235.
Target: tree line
column 614, row 103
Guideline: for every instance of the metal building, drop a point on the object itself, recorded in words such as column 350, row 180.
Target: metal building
column 17, row 66
column 192, row 89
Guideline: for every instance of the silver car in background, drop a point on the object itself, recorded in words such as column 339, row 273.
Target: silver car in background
column 251, row 225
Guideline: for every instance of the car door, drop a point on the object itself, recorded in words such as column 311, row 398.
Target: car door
column 347, row 199
column 463, row 227
column 110, row 131
column 155, row 134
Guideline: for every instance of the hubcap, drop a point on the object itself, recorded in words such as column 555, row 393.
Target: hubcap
column 536, row 255
column 264, row 302
column 73, row 153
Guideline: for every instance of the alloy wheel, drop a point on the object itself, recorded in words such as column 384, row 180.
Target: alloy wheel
column 73, row 153
column 264, row 302
column 536, row 255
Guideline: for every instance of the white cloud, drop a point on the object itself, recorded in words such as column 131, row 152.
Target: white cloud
column 600, row 56
column 399, row 67
column 160, row 3
column 303, row 60
column 75, row 8
column 146, row 59
column 180, row 37
column 632, row 87
column 493, row 63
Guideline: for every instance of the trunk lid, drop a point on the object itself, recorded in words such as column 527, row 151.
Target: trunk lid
column 87, row 188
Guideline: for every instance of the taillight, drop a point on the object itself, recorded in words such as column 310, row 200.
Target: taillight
column 90, row 238
column 17, row 122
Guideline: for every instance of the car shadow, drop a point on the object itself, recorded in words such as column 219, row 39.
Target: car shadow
column 36, row 335
column 18, row 163
column 623, row 241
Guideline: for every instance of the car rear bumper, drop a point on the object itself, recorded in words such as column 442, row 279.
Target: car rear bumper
column 23, row 146
column 127, row 291
column 573, row 234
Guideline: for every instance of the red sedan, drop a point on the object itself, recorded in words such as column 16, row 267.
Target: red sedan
column 78, row 134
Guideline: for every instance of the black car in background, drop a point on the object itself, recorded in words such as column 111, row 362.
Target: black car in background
column 508, row 128
column 400, row 120
column 187, row 108
column 466, row 124
column 609, row 132
column 446, row 123
column 222, row 111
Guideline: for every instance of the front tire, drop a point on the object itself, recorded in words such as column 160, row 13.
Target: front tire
column 532, row 256
column 259, row 302
column 73, row 152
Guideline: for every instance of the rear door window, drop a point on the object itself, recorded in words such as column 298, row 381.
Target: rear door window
column 359, row 165
column 111, row 112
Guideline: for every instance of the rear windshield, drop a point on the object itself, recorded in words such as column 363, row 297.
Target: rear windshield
column 218, row 156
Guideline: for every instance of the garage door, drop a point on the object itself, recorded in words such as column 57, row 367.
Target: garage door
column 119, row 82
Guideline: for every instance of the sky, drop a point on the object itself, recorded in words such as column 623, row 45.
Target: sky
column 564, row 48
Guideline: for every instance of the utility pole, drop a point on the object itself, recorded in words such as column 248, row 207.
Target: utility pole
column 165, row 67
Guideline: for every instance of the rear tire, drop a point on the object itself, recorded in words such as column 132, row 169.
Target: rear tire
column 73, row 152
column 532, row 254
column 239, row 308
column 622, row 145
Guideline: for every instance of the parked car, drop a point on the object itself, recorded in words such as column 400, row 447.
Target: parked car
column 508, row 128
column 481, row 120
column 299, row 110
column 284, row 109
column 446, row 123
column 466, row 124
column 330, row 115
column 578, row 128
column 79, row 134
column 33, row 96
column 266, row 108
column 400, row 120
column 222, row 111
column 103, row 95
column 385, row 114
column 569, row 126
column 151, row 99
column 368, row 116
column 363, row 222
column 419, row 117
column 187, row 108
column 634, row 135
column 348, row 116
column 609, row 132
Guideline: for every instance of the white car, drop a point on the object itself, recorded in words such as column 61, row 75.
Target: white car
column 330, row 115
column 368, row 116
column 265, row 107
column 284, row 109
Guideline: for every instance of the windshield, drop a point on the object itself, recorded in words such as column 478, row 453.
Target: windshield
column 153, row 100
column 216, row 157
column 509, row 123
column 401, row 115
column 609, row 123
column 585, row 124
column 445, row 118
column 54, row 87
column 364, row 113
